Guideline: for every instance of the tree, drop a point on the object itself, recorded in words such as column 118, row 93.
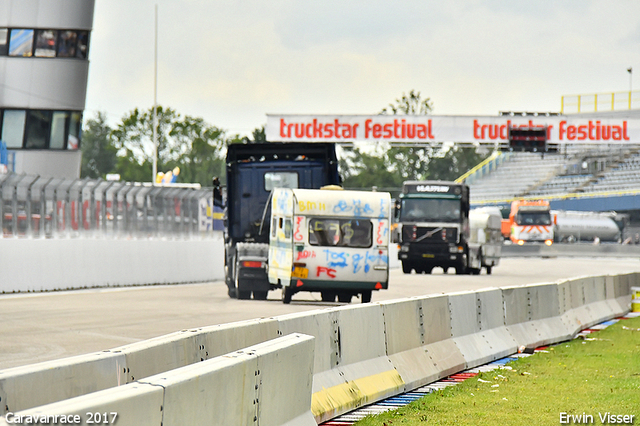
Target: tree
column 411, row 104
column 454, row 162
column 188, row 143
column 362, row 170
column 259, row 134
column 99, row 153
column 390, row 166
column 409, row 162
column 201, row 146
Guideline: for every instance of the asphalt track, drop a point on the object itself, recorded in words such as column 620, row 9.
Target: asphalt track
column 43, row 326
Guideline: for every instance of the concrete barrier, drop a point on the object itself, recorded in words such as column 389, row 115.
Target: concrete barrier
column 248, row 387
column 610, row 285
column 544, row 315
column 465, row 329
column 351, row 366
column 363, row 353
column 571, row 250
column 492, row 324
column 438, row 342
column 39, row 384
column 251, row 386
column 30, row 386
column 477, row 326
column 578, row 312
column 129, row 262
column 136, row 404
column 404, row 331
column 164, row 353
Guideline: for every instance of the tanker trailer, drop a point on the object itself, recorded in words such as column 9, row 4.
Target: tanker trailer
column 574, row 226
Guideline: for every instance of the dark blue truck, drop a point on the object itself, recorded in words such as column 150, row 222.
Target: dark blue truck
column 253, row 170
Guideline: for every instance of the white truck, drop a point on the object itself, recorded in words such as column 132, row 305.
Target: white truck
column 485, row 236
column 574, row 226
column 335, row 242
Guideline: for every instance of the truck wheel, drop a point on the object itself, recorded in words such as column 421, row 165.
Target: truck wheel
column 244, row 295
column 406, row 267
column 286, row 295
column 489, row 270
column 344, row 297
column 259, row 295
column 328, row 296
column 428, row 270
column 461, row 270
column 475, row 271
column 366, row 296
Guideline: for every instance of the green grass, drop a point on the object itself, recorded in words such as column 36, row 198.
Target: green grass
column 599, row 374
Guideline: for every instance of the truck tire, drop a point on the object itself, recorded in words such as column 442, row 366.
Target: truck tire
column 328, row 296
column 489, row 268
column 406, row 267
column 260, row 295
column 286, row 295
column 244, row 295
column 366, row 296
column 461, row 270
column 344, row 297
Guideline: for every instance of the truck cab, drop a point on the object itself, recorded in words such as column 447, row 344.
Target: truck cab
column 433, row 227
column 531, row 222
column 253, row 171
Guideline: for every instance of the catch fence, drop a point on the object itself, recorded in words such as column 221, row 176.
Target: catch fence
column 40, row 207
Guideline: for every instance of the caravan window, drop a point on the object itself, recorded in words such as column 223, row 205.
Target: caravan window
column 287, row 228
column 340, row 232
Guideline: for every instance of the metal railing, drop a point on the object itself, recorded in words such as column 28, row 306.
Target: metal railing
column 39, row 207
column 485, row 167
column 599, row 102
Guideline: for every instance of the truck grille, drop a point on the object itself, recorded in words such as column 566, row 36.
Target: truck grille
column 430, row 234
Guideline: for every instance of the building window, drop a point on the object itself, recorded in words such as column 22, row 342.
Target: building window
column 21, row 43
column 4, row 45
column 83, row 44
column 13, row 128
column 38, row 125
column 58, row 129
column 67, row 45
column 36, row 129
column 46, row 41
column 75, row 129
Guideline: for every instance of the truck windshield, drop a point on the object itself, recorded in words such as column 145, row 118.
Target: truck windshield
column 280, row 180
column 340, row 232
column 533, row 218
column 430, row 210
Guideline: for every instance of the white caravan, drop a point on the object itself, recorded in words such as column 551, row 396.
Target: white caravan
column 332, row 241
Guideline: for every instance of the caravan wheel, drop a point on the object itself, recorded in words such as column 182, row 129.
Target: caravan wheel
column 286, row 295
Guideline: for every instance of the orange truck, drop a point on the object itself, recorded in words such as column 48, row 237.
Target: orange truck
column 529, row 221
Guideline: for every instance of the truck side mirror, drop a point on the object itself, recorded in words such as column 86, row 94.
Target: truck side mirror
column 217, row 193
column 396, row 209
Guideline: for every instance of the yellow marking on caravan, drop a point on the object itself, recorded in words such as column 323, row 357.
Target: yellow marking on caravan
column 311, row 205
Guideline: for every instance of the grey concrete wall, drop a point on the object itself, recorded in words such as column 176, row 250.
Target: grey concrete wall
column 570, row 250
column 60, row 264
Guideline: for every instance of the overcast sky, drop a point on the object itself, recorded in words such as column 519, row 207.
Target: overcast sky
column 232, row 62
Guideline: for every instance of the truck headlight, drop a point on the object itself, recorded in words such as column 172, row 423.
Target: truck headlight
column 404, row 248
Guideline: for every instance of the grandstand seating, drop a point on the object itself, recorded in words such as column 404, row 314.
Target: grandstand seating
column 577, row 169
